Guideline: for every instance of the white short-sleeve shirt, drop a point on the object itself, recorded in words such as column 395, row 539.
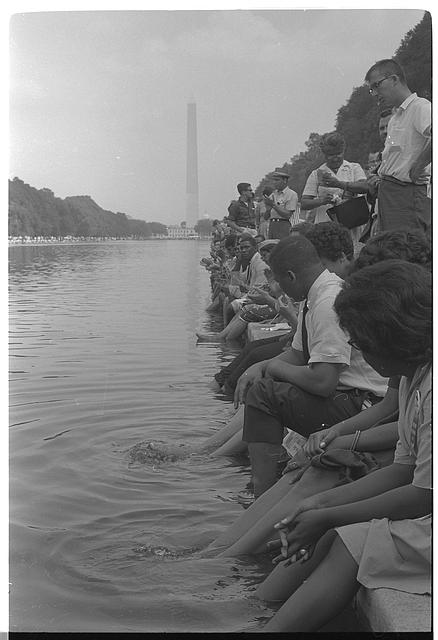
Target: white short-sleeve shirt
column 327, row 342
column 286, row 199
column 409, row 132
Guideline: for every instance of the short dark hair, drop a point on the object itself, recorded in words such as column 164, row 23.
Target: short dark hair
column 410, row 245
column 332, row 143
column 330, row 240
column 230, row 241
column 294, row 253
column 387, row 310
column 389, row 67
column 243, row 186
column 385, row 113
column 248, row 237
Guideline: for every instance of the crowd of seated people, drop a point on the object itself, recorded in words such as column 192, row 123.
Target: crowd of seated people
column 353, row 380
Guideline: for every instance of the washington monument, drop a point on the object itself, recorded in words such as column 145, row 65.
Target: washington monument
column 192, row 191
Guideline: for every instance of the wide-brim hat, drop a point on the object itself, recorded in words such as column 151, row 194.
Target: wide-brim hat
column 280, row 174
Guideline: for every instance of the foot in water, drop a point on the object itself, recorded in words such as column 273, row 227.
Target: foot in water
column 159, row 452
column 209, row 337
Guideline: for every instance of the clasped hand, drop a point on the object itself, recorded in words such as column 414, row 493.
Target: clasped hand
column 318, row 441
column 300, row 532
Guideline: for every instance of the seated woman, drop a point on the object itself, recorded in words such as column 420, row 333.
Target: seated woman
column 375, row 531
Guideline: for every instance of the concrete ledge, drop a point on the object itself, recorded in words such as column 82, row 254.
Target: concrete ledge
column 391, row 611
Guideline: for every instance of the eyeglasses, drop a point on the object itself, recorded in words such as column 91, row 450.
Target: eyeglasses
column 375, row 85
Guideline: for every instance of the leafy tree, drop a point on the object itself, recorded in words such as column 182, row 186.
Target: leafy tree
column 204, row 227
column 157, row 228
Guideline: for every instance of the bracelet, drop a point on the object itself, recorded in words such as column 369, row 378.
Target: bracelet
column 355, row 441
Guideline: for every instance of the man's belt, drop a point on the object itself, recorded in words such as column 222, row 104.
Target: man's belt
column 402, row 183
column 279, row 220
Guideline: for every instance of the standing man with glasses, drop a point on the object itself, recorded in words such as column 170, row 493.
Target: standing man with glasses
column 406, row 157
column 241, row 214
column 282, row 205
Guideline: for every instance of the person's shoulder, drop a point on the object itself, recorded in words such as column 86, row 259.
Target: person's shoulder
column 325, row 288
column 419, row 105
column 421, row 100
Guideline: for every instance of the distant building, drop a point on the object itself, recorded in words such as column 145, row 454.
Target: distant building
column 175, row 232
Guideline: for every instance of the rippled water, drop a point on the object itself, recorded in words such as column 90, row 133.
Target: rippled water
column 103, row 358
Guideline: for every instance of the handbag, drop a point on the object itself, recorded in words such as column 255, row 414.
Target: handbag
column 351, row 213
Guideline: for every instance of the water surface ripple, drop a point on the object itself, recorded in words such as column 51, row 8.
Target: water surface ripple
column 103, row 358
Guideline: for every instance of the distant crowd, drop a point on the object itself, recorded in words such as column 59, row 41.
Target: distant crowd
column 329, row 300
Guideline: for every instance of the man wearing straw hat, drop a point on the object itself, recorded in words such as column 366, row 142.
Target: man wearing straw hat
column 282, row 205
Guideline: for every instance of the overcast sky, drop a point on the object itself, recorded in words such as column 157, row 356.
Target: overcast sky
column 99, row 99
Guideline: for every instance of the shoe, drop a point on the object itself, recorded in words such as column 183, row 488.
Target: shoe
column 245, row 497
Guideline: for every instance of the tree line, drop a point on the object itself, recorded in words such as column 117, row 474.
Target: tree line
column 38, row 212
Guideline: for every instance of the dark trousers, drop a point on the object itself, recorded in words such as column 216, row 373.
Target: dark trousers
column 279, row 229
column 403, row 205
column 253, row 352
column 270, row 406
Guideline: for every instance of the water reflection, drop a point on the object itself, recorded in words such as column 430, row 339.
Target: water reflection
column 103, row 357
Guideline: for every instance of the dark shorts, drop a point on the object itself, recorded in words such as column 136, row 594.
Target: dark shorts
column 402, row 205
column 271, row 406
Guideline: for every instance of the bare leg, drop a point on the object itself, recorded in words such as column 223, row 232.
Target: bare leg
column 251, row 516
column 231, row 331
column 214, row 305
column 283, row 581
column 255, row 527
column 264, row 458
column 325, row 593
column 217, row 439
column 235, row 328
column 249, row 520
column 231, row 447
